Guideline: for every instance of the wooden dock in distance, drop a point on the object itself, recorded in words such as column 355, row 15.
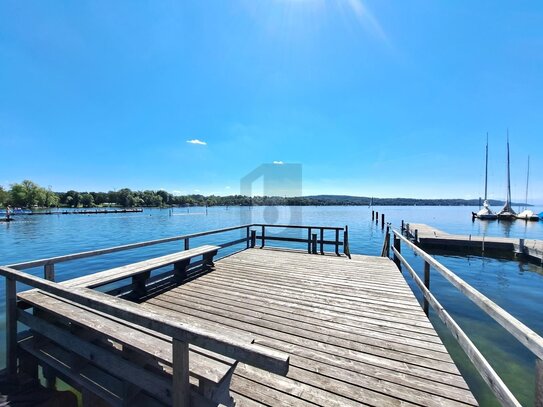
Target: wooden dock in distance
column 430, row 237
column 355, row 332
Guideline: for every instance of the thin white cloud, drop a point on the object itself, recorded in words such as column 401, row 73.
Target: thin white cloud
column 196, row 141
column 227, row 187
column 278, row 162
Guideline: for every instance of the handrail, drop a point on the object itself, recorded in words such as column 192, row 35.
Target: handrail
column 91, row 253
column 48, row 263
column 200, row 335
column 524, row 335
column 531, row 340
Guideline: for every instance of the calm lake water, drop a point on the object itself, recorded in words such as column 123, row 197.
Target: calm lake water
column 514, row 285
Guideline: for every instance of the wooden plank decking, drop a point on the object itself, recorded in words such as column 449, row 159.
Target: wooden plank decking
column 355, row 331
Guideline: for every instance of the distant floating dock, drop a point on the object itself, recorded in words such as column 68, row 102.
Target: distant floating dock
column 84, row 212
column 430, row 237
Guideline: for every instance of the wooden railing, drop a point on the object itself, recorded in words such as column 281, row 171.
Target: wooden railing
column 531, row 340
column 182, row 334
column 249, row 239
column 314, row 241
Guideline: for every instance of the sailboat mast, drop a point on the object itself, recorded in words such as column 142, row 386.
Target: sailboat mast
column 486, row 167
column 508, row 174
column 527, row 180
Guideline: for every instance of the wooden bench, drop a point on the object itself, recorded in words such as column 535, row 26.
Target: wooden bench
column 66, row 328
column 140, row 271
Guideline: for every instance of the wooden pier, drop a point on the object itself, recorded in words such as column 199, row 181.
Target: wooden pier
column 262, row 326
column 430, row 237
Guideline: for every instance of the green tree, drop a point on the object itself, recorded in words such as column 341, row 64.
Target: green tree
column 87, row 200
column 4, row 197
column 51, row 199
column 27, row 194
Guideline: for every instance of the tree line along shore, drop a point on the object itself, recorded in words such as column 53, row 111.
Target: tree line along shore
column 28, row 194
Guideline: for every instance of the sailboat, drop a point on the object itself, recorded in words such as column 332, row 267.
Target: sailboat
column 527, row 214
column 507, row 212
column 485, row 213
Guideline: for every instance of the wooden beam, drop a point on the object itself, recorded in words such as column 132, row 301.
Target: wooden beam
column 180, row 364
column 204, row 336
column 538, row 383
column 524, row 335
column 496, row 384
column 11, row 325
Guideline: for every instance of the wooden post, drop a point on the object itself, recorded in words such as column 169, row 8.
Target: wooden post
column 376, row 217
column 538, row 383
column 248, row 237
column 11, row 326
column 337, row 242
column 346, row 248
column 387, row 245
column 403, row 227
column 309, row 240
column 382, row 221
column 427, row 285
column 416, row 235
column 180, row 365
column 322, row 241
column 49, row 272
column 186, row 243
column 398, row 247
column 263, row 236
column 372, row 215
column 314, row 243
column 253, row 238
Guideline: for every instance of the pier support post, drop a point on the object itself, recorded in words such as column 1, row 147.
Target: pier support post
column 180, row 365
column 187, row 243
column 382, row 221
column 376, row 217
column 309, row 241
column 337, row 242
column 427, row 285
column 253, row 239
column 416, row 235
column 322, row 241
column 372, row 215
column 248, row 236
column 538, row 383
column 49, row 272
column 398, row 247
column 314, row 243
column 263, row 237
column 346, row 247
column 403, row 227
column 11, row 326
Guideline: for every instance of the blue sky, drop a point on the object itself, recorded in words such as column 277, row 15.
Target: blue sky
column 374, row 98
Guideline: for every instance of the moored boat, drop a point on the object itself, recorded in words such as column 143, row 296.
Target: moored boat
column 485, row 213
column 507, row 212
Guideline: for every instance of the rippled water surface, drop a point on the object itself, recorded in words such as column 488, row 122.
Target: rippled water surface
column 517, row 286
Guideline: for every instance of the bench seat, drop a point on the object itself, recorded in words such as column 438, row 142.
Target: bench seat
column 179, row 259
column 143, row 346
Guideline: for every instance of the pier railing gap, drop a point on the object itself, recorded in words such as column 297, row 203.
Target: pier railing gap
column 531, row 340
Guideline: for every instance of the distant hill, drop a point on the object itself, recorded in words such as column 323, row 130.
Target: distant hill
column 363, row 200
